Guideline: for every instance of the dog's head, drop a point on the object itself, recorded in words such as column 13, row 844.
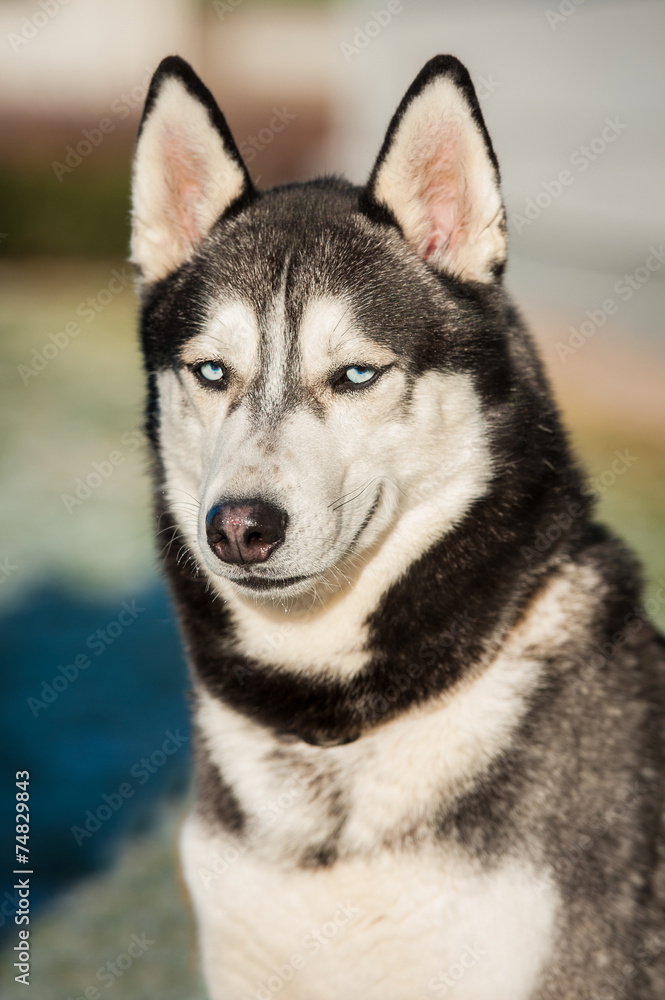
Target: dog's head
column 325, row 361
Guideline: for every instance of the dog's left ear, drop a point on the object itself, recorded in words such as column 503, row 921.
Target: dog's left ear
column 187, row 171
column 438, row 177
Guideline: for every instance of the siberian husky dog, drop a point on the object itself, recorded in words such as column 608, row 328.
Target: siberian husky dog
column 428, row 706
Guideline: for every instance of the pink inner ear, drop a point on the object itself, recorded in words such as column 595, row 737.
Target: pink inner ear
column 185, row 183
column 442, row 193
column 443, row 213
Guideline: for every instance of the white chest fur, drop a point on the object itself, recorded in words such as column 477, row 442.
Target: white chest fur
column 382, row 923
column 398, row 926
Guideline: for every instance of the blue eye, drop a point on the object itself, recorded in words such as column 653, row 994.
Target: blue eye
column 211, row 371
column 359, row 375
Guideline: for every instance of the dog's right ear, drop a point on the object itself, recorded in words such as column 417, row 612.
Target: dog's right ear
column 187, row 171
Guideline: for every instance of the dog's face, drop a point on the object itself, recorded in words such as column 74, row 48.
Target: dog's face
column 315, row 351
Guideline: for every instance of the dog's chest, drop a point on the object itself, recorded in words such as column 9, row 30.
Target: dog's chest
column 387, row 787
column 341, row 885
column 403, row 924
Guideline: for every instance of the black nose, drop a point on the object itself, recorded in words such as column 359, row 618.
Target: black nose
column 245, row 531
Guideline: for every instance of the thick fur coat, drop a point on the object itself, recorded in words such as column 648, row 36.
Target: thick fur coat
column 428, row 705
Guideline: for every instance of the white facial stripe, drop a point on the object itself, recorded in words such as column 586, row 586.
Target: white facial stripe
column 329, row 339
column 231, row 336
column 274, row 352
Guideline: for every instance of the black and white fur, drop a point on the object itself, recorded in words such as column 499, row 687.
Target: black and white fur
column 429, row 750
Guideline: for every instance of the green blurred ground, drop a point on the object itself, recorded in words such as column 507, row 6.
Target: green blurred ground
column 62, row 424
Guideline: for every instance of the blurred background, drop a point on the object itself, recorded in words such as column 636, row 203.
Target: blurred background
column 94, row 688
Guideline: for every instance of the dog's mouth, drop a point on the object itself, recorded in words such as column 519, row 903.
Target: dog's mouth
column 259, row 583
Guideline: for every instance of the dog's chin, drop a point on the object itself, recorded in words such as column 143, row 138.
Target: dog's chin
column 267, row 588
column 260, row 586
column 273, row 588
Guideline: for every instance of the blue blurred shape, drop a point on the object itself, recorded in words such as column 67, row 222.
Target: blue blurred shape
column 95, row 704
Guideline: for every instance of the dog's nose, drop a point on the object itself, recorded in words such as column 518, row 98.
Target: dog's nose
column 245, row 531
